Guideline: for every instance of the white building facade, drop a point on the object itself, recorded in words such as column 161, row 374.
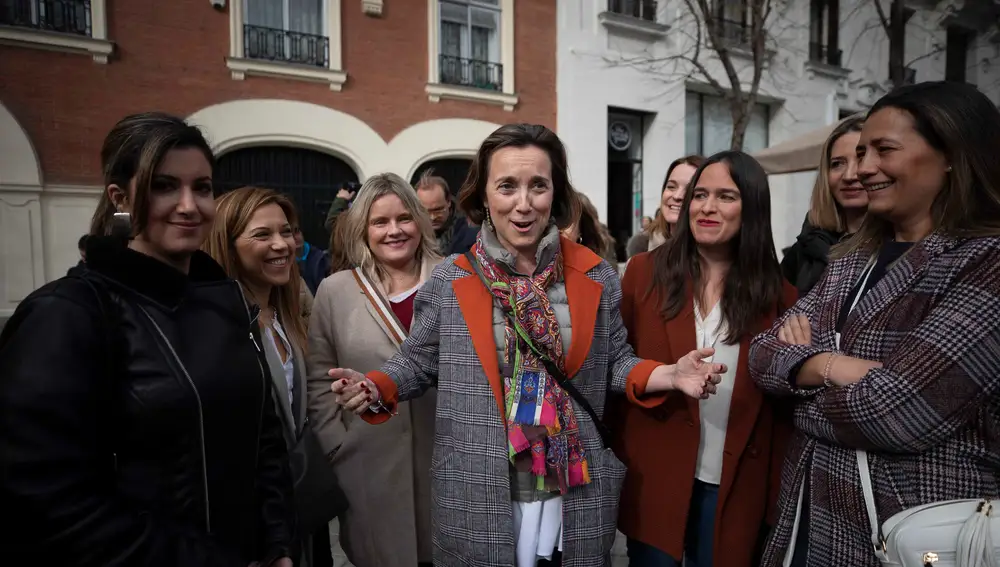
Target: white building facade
column 628, row 106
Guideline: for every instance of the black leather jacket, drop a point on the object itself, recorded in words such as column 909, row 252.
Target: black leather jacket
column 112, row 453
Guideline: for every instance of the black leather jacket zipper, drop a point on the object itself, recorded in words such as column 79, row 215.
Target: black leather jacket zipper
column 253, row 313
column 201, row 415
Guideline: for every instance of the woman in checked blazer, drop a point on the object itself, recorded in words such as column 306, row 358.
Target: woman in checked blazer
column 896, row 351
column 519, row 471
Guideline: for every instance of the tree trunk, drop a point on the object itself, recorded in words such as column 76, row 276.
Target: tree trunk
column 741, row 119
column 897, row 44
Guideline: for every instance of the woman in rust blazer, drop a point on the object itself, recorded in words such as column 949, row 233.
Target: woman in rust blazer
column 703, row 474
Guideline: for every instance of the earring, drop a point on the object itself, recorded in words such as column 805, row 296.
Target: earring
column 489, row 222
column 121, row 226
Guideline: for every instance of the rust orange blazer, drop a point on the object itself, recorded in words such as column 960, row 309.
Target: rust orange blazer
column 659, row 442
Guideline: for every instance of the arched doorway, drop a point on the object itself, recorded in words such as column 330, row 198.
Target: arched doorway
column 310, row 178
column 453, row 170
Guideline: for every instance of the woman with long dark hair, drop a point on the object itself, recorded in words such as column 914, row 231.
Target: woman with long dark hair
column 138, row 423
column 714, row 284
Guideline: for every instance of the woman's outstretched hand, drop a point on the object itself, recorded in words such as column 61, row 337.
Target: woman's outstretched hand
column 692, row 375
column 353, row 390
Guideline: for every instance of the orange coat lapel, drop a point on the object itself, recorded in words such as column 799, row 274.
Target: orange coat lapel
column 584, row 296
column 476, row 304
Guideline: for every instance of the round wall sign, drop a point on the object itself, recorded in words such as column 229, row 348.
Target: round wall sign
column 619, row 136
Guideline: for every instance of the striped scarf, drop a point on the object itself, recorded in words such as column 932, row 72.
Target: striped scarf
column 540, row 418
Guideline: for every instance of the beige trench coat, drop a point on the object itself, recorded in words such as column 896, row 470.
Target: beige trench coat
column 384, row 469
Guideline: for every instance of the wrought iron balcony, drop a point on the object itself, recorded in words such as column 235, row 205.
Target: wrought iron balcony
column 61, row 16
column 731, row 32
column 824, row 54
column 642, row 9
column 470, row 73
column 273, row 44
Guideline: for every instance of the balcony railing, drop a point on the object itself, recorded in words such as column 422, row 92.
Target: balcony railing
column 824, row 54
column 273, row 44
column 642, row 9
column 61, row 16
column 731, row 32
column 470, row 73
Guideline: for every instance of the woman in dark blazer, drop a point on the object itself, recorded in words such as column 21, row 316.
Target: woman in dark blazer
column 715, row 283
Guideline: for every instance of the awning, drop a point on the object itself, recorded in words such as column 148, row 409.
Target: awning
column 801, row 153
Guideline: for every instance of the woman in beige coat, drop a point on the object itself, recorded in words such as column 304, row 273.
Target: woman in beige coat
column 359, row 319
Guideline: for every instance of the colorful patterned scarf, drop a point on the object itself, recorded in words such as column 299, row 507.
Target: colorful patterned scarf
column 540, row 418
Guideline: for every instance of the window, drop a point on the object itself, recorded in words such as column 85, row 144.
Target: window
column 708, row 125
column 642, row 9
column 286, row 38
column 824, row 28
column 286, row 30
column 957, row 54
column 65, row 25
column 732, row 22
column 471, row 51
column 470, row 44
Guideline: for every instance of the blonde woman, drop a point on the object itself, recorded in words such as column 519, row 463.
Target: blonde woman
column 837, row 207
column 252, row 239
column 359, row 319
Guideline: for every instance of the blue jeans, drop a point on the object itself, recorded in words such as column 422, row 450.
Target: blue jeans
column 698, row 537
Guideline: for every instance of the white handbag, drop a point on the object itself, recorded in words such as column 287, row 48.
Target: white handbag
column 953, row 533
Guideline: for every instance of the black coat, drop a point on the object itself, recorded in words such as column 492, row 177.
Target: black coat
column 805, row 261
column 110, row 453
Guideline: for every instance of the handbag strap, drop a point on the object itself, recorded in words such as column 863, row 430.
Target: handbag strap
column 878, row 542
column 550, row 366
column 396, row 330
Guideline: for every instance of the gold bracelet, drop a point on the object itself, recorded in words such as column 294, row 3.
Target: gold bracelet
column 826, row 371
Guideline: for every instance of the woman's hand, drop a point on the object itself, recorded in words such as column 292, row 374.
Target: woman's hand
column 796, row 331
column 353, row 390
column 692, row 375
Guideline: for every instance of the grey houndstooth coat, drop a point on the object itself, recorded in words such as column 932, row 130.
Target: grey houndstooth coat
column 451, row 346
column 929, row 417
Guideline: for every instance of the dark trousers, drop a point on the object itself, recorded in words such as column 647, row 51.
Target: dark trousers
column 698, row 537
column 322, row 556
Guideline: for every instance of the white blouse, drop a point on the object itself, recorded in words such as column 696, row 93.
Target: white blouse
column 288, row 365
column 714, row 411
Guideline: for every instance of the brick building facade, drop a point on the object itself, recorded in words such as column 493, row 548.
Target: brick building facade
column 354, row 88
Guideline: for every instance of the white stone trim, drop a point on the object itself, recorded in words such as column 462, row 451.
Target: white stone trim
column 372, row 8
column 629, row 25
column 240, row 67
column 67, row 190
column 97, row 45
column 436, row 91
column 436, row 139
column 294, row 123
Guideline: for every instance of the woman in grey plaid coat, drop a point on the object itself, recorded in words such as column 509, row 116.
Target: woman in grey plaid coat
column 520, row 471
column 897, row 349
